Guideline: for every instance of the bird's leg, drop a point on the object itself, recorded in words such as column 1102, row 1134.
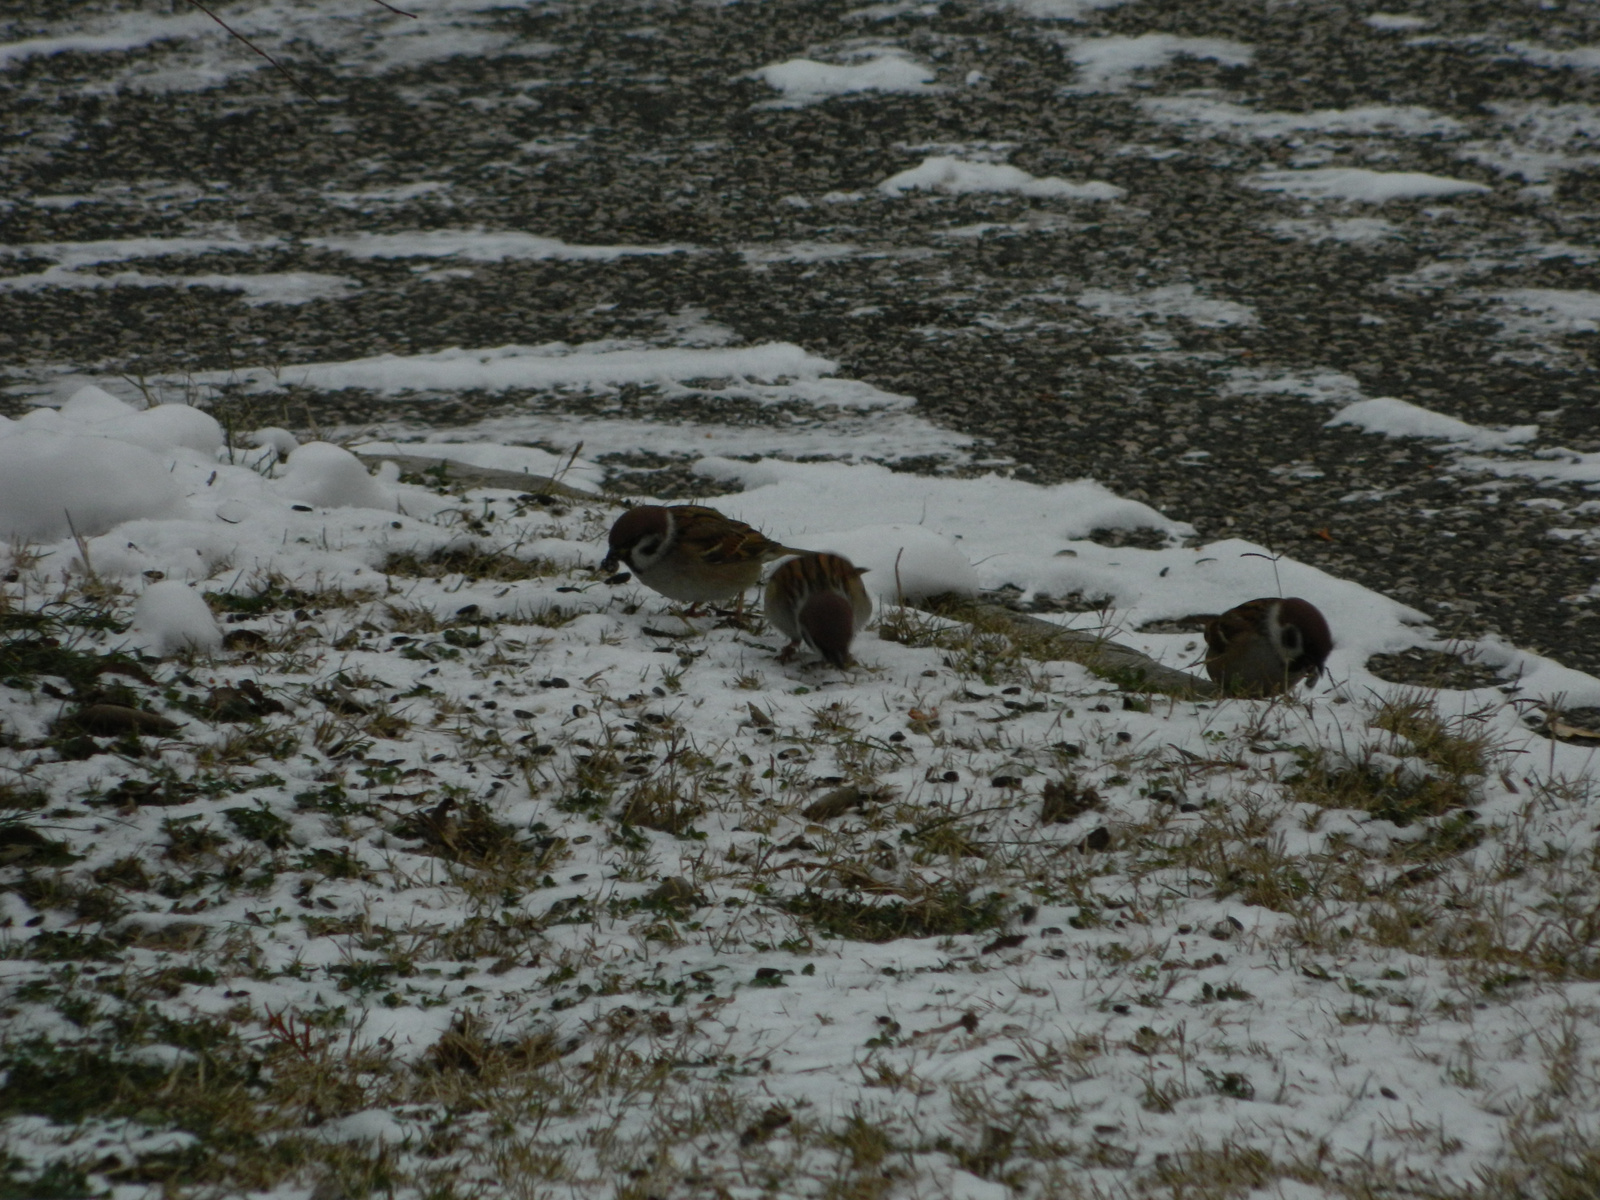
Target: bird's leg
column 736, row 618
column 787, row 652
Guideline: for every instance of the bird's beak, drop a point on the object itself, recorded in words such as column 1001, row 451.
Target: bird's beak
column 609, row 562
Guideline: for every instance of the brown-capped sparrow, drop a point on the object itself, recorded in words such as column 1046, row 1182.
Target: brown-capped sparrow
column 690, row 553
column 818, row 599
column 1266, row 646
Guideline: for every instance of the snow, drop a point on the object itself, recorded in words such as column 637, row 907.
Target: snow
column 593, row 364
column 1221, row 116
column 903, row 562
column 1543, row 312
column 172, row 617
column 1350, row 231
column 957, row 177
column 1319, row 387
column 990, row 513
column 572, row 470
column 1181, row 300
column 1059, row 10
column 1392, row 22
column 1398, row 418
column 477, row 245
column 329, row 476
column 130, row 31
column 876, row 434
column 803, row 81
column 1360, row 184
column 1536, row 141
column 201, row 54
column 778, row 436
column 1107, row 64
column 1553, row 464
column 70, row 260
column 373, row 1125
column 275, row 438
column 52, row 483
column 1579, row 58
column 288, row 287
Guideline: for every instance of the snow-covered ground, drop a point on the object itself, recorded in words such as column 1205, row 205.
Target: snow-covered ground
column 370, row 829
column 432, row 791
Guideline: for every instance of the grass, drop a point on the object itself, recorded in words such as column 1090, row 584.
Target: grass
column 653, row 881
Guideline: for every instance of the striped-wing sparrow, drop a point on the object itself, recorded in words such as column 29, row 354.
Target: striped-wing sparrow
column 690, row 553
column 818, row 599
column 1264, row 647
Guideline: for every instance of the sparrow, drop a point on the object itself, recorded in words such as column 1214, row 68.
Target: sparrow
column 1264, row 647
column 818, row 599
column 690, row 553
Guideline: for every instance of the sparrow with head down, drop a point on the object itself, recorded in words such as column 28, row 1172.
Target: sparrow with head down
column 818, row 599
column 691, row 553
column 1264, row 647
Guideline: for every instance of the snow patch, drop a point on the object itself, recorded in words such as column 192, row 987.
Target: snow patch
column 1579, row 58
column 1546, row 312
column 803, row 81
column 1318, row 387
column 171, row 617
column 1107, row 64
column 1395, row 22
column 1060, row 10
column 1181, row 300
column 1398, row 418
column 477, row 245
column 984, row 516
column 1220, row 116
column 1539, row 140
column 329, row 476
column 1360, row 184
column 594, row 364
column 958, row 177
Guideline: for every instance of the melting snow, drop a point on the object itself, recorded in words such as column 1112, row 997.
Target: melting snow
column 803, row 81
column 1360, row 184
column 955, row 177
column 1107, row 64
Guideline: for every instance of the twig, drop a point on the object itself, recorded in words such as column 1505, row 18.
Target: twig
column 1271, row 558
column 83, row 549
column 561, row 472
column 281, row 69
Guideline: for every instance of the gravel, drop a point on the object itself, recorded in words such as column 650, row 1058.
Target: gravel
column 640, row 126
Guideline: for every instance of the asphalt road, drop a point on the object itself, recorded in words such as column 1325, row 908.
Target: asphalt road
column 607, row 123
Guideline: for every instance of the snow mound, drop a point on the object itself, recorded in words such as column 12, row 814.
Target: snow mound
column 329, row 476
column 171, row 617
column 52, row 483
column 91, row 403
column 275, row 438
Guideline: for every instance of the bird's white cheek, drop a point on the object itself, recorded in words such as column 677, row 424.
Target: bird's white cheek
column 646, row 553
